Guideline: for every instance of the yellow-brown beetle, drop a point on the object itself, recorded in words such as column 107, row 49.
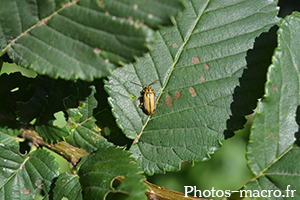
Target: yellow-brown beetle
column 147, row 99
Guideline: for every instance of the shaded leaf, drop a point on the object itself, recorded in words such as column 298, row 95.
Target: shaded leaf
column 14, row 88
column 201, row 52
column 50, row 97
column 82, row 123
column 21, row 176
column 272, row 151
column 107, row 165
column 79, row 39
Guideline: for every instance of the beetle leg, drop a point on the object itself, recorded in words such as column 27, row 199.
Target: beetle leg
column 139, row 98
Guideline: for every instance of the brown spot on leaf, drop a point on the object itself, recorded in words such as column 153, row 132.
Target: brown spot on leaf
column 196, row 60
column 97, row 50
column 177, row 94
column 192, row 91
column 206, row 67
column 274, row 88
column 270, row 135
column 202, row 79
column 169, row 101
column 175, row 46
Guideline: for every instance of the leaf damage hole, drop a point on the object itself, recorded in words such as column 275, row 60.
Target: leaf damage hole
column 60, row 120
column 15, row 89
column 116, row 182
column 106, row 131
column 26, row 191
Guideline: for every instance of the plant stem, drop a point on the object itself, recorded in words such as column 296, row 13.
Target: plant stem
column 161, row 193
column 69, row 152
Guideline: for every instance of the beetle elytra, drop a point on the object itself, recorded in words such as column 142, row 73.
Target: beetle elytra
column 147, row 99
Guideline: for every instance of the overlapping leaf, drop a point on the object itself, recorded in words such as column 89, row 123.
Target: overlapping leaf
column 21, row 176
column 202, row 57
column 92, row 120
column 100, row 170
column 79, row 39
column 50, row 97
column 273, row 153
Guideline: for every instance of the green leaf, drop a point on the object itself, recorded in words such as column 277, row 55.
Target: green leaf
column 201, row 53
column 21, row 176
column 9, row 130
column 82, row 122
column 101, row 169
column 272, row 152
column 80, row 39
column 67, row 186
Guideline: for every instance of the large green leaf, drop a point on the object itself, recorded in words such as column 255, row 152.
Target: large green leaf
column 206, row 52
column 80, row 39
column 273, row 154
column 108, row 165
column 21, row 176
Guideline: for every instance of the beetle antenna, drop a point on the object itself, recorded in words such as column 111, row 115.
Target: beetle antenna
column 142, row 82
column 135, row 83
column 154, row 81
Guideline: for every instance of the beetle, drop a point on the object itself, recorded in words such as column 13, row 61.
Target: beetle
column 147, row 99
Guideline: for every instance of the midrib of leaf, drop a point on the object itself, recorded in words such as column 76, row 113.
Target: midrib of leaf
column 262, row 173
column 16, row 172
column 174, row 63
column 41, row 22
